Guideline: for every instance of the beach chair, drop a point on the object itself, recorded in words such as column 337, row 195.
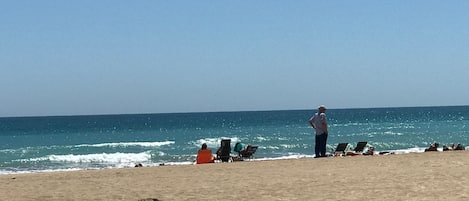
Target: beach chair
column 224, row 152
column 360, row 147
column 433, row 147
column 460, row 147
column 340, row 150
column 248, row 153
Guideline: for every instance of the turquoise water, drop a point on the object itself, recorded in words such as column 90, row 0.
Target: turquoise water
column 31, row 144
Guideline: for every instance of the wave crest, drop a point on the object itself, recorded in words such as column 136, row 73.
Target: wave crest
column 128, row 144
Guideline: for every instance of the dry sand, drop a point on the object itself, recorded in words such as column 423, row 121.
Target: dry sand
column 422, row 176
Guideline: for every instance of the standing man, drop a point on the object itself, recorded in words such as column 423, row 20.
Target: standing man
column 319, row 123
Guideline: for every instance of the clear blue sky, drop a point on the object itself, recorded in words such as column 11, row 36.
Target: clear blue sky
column 113, row 57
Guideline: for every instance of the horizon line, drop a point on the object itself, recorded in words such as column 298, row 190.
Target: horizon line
column 225, row 111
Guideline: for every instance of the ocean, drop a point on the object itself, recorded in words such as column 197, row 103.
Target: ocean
column 66, row 143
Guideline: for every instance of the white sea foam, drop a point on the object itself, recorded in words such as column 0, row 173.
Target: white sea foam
column 8, row 151
column 272, row 147
column 261, row 139
column 213, row 142
column 111, row 158
column 392, row 133
column 289, row 146
column 128, row 144
column 292, row 156
column 37, row 171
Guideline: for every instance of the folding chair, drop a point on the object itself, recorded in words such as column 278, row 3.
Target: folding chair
column 224, row 152
column 360, row 147
column 340, row 150
column 248, row 152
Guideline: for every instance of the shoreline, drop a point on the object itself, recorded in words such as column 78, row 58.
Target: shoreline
column 414, row 176
column 184, row 163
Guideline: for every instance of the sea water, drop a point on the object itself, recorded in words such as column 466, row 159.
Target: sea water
column 61, row 143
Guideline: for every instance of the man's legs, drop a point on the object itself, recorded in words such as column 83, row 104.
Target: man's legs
column 323, row 144
column 320, row 148
column 317, row 146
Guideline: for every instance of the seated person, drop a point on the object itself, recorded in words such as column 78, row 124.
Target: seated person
column 245, row 150
column 370, row 151
column 204, row 155
column 459, row 147
column 238, row 148
column 351, row 153
column 450, row 148
column 433, row 147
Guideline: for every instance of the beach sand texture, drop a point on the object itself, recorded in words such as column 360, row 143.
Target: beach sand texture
column 418, row 176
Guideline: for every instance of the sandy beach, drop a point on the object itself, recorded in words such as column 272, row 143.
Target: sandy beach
column 418, row 176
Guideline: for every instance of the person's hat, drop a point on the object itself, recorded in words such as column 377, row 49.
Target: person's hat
column 322, row 107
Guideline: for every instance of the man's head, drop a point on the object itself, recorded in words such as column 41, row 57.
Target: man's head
column 322, row 108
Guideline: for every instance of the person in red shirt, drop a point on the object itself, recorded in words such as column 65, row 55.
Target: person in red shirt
column 204, row 155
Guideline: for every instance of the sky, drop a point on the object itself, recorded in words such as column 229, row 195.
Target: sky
column 126, row 57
